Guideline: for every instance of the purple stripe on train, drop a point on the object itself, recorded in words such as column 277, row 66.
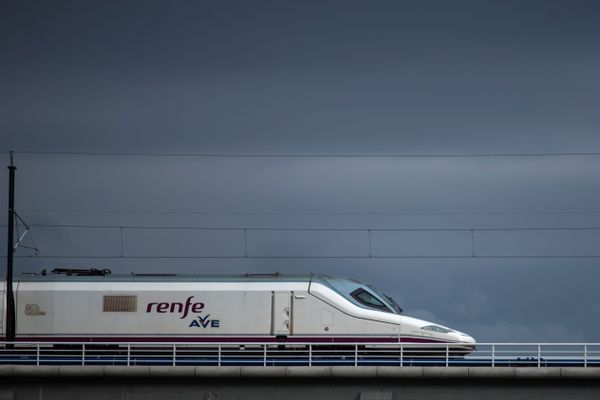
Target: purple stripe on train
column 226, row 339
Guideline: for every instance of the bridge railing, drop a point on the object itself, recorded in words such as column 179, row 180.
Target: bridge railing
column 495, row 355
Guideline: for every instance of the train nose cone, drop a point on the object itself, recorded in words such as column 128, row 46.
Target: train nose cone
column 464, row 338
column 467, row 339
column 467, row 342
column 472, row 343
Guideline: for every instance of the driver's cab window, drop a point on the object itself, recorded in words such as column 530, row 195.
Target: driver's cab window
column 369, row 300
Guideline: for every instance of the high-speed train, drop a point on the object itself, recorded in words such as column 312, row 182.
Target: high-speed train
column 94, row 306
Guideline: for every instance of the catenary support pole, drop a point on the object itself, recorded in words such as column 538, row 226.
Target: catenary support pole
column 10, row 300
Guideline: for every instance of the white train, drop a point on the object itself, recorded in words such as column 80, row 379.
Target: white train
column 97, row 307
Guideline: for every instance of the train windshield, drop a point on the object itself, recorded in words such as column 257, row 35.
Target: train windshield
column 363, row 295
column 389, row 299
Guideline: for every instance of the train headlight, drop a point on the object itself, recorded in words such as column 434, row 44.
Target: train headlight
column 436, row 328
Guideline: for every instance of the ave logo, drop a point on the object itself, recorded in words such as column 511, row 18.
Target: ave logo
column 204, row 322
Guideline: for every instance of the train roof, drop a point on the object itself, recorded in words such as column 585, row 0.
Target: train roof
column 156, row 277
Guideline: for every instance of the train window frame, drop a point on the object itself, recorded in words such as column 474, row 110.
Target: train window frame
column 379, row 307
column 388, row 300
column 344, row 287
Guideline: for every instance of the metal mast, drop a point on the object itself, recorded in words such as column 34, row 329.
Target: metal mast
column 10, row 300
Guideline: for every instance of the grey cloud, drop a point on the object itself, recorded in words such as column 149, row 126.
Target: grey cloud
column 334, row 77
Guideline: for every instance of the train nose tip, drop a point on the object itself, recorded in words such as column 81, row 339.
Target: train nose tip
column 463, row 337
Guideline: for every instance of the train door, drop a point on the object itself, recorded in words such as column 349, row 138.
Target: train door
column 326, row 320
column 281, row 317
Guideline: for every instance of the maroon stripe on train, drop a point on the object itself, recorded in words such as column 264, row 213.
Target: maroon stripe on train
column 144, row 339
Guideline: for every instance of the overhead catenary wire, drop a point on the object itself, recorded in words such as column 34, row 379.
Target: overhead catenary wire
column 239, row 155
column 301, row 229
column 314, row 258
column 304, row 213
column 306, row 155
column 245, row 255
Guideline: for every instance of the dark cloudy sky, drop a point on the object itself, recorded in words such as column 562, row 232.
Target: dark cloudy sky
column 446, row 151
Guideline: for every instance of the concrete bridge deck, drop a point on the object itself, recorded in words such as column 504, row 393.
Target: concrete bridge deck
column 291, row 372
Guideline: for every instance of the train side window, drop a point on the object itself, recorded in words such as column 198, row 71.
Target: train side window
column 369, row 300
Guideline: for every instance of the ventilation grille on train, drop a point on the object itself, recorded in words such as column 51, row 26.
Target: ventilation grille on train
column 120, row 304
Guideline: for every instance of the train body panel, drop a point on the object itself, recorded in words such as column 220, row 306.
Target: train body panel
column 145, row 309
column 314, row 316
column 246, row 308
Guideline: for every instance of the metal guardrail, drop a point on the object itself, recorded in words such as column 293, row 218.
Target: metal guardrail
column 498, row 355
